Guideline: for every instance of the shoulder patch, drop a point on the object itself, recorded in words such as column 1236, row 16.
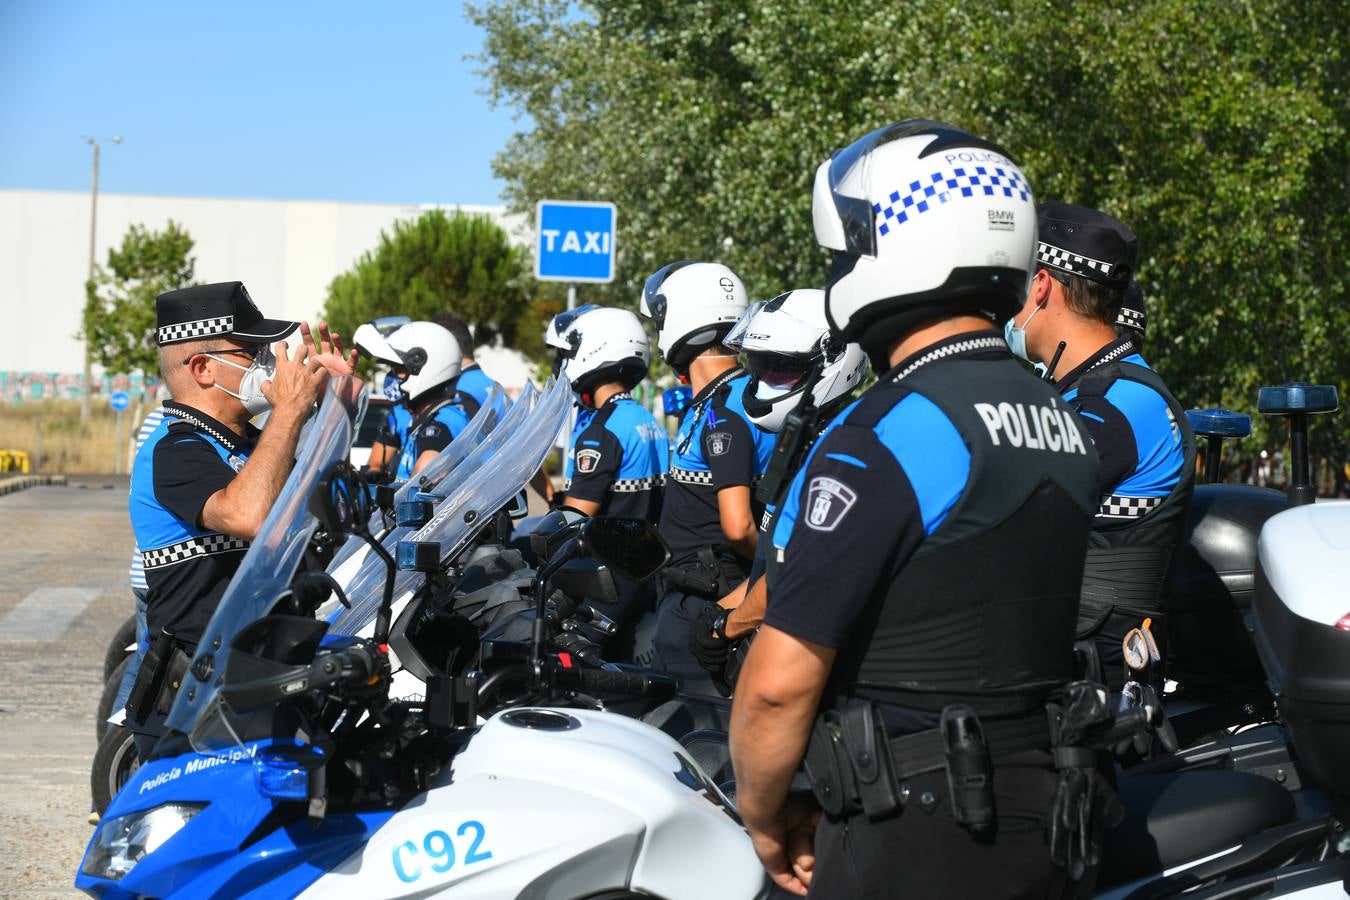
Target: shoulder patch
column 587, row 460
column 828, row 500
column 719, row 442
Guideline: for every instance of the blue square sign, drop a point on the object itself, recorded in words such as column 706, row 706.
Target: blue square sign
column 575, row 241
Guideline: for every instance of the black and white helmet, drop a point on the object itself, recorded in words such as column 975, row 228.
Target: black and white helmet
column 428, row 353
column 927, row 221
column 783, row 341
column 694, row 305
column 595, row 345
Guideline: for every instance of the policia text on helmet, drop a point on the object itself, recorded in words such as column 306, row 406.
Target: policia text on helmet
column 946, row 517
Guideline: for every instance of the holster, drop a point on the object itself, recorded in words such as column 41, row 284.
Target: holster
column 703, row 577
column 162, row 672
column 848, row 760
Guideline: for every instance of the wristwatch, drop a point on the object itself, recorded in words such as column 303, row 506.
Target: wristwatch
column 719, row 626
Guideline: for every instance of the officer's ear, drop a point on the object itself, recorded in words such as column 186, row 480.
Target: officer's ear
column 1042, row 286
column 200, row 370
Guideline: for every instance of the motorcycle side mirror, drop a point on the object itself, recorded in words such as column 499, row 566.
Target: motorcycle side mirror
column 340, row 501
column 519, row 507
column 630, row 546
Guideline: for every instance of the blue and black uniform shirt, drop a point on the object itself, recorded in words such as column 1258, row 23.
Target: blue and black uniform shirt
column 618, row 458
column 185, row 459
column 716, row 447
column 1138, row 438
column 473, row 388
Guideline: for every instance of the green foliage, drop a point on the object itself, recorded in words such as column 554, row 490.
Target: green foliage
column 442, row 262
column 1217, row 129
column 119, row 312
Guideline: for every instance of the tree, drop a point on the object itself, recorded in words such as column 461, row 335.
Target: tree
column 441, row 262
column 1216, row 129
column 119, row 312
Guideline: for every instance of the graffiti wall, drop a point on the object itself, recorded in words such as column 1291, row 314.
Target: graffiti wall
column 19, row 387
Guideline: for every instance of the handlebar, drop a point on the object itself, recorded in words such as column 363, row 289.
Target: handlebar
column 609, row 681
column 351, row 667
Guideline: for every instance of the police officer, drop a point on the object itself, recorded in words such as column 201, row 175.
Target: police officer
column 426, row 360
column 474, row 384
column 1081, row 298
column 927, row 559
column 204, row 479
column 788, row 349
column 398, row 418
column 709, row 516
column 616, row 464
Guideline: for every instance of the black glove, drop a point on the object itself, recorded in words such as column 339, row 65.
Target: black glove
column 709, row 644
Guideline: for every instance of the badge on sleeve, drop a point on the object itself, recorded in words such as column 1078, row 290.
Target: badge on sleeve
column 587, row 460
column 828, row 500
column 719, row 442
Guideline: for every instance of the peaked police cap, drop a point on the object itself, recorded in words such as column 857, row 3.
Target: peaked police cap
column 1085, row 242
column 215, row 310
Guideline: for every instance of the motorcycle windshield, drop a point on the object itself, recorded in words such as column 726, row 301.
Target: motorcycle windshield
column 366, row 588
column 488, row 417
column 272, row 557
column 495, row 471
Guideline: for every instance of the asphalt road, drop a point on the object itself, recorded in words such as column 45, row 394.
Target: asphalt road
column 63, row 591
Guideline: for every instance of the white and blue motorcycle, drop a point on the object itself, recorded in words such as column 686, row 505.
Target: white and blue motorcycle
column 290, row 770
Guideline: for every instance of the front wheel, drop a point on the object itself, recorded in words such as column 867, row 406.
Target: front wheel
column 117, row 647
column 109, row 695
column 115, row 762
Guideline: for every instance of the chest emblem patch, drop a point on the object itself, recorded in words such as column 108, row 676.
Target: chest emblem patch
column 719, row 442
column 587, row 460
column 827, row 502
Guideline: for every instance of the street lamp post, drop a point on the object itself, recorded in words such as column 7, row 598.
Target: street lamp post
column 93, row 234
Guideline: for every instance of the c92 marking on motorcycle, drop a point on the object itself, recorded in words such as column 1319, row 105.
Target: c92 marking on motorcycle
column 437, row 845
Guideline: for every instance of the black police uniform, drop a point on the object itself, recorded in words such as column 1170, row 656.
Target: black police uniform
column 716, row 447
column 1142, row 437
column 180, row 465
column 936, row 539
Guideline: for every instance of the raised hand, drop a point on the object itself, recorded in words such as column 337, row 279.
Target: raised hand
column 300, row 376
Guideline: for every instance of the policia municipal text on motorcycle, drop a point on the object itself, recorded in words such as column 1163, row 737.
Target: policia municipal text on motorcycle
column 205, row 479
column 708, row 513
column 1077, row 302
column 801, row 376
column 923, row 586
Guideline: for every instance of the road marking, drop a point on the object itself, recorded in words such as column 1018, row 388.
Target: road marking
column 45, row 614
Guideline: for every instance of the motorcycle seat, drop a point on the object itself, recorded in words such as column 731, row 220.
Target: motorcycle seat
column 1177, row 817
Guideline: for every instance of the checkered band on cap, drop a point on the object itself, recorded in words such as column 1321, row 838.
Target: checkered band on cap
column 1057, row 258
column 192, row 548
column 188, row 331
column 1131, row 318
column 917, row 197
column 1118, row 506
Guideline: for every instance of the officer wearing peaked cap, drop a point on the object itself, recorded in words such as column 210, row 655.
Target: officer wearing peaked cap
column 204, row 479
column 1083, row 296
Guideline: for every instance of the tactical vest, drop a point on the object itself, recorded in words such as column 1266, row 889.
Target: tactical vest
column 984, row 611
column 407, row 459
column 1129, row 566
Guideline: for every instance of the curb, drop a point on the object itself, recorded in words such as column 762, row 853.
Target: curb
column 10, row 485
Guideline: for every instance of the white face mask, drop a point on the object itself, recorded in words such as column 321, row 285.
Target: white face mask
column 263, row 367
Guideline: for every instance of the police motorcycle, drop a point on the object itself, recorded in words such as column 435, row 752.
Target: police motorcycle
column 115, row 756
column 290, row 770
column 1236, row 834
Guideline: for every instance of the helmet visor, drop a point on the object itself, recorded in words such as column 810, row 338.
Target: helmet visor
column 653, row 304
column 736, row 336
column 777, row 370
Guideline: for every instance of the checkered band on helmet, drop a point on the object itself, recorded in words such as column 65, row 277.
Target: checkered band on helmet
column 942, row 186
column 1057, row 258
column 1131, row 318
column 188, row 331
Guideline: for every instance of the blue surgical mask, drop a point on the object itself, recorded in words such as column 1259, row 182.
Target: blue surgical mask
column 1017, row 336
column 393, row 389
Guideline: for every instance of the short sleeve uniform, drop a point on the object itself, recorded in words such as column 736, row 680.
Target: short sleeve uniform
column 619, row 460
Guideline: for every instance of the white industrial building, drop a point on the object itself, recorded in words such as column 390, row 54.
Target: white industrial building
column 285, row 251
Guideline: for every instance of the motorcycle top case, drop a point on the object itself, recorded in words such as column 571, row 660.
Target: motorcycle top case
column 1301, row 596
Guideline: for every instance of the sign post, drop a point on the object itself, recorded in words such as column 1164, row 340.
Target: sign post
column 119, row 401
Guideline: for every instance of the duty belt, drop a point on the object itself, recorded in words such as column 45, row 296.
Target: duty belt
column 922, row 752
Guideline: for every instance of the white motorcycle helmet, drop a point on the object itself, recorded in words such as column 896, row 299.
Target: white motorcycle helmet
column 426, row 351
column 926, row 221
column 694, row 305
column 595, row 345
column 784, row 341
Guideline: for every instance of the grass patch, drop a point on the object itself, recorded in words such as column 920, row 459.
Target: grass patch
column 68, row 445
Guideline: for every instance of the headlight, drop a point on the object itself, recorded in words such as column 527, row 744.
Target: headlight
column 126, row 840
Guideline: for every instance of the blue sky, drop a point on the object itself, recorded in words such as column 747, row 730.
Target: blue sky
column 336, row 100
